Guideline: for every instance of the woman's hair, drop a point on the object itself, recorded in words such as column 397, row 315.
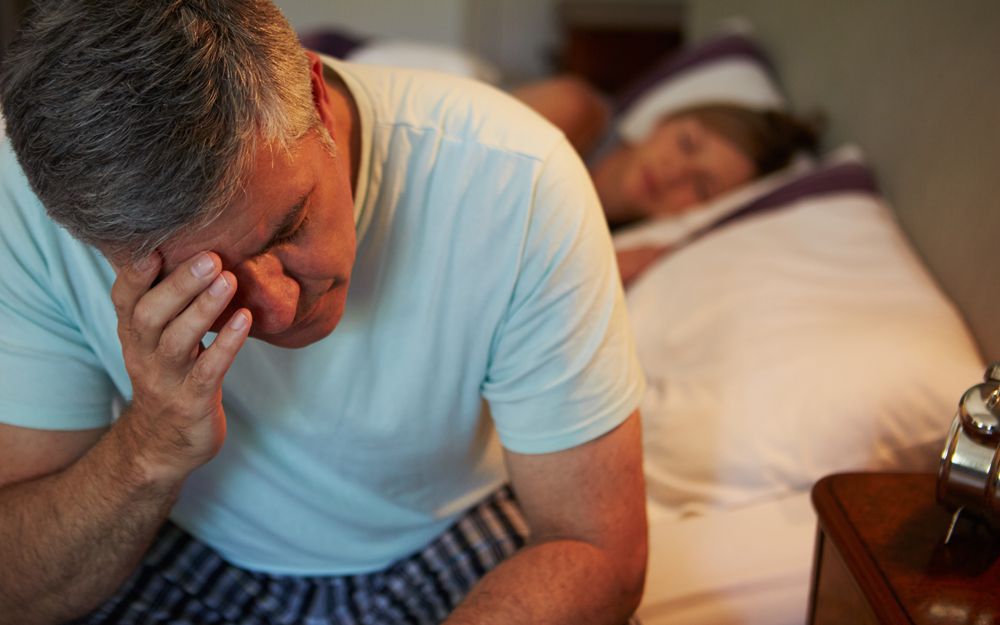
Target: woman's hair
column 133, row 119
column 769, row 138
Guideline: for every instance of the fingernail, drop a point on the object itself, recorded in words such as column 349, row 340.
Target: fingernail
column 219, row 286
column 203, row 267
column 239, row 320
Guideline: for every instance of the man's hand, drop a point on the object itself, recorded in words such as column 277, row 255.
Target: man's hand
column 76, row 521
column 176, row 414
column 585, row 560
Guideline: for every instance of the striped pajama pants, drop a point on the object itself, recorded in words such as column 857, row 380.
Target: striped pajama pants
column 183, row 582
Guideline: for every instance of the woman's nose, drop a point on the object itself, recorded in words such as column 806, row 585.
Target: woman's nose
column 675, row 174
column 270, row 294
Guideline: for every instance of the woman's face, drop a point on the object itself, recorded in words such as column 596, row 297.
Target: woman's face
column 680, row 165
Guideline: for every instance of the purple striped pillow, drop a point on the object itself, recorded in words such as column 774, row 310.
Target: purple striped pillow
column 727, row 69
column 844, row 177
column 722, row 47
column 332, row 42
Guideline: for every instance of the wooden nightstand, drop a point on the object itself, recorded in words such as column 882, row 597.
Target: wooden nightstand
column 880, row 556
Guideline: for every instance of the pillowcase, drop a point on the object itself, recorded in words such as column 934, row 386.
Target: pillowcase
column 676, row 230
column 793, row 343
column 399, row 53
column 730, row 68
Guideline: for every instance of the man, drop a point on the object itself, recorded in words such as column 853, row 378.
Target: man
column 217, row 179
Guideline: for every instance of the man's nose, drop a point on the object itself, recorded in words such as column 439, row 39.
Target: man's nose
column 270, row 294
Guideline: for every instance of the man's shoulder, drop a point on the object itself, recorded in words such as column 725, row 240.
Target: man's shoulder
column 20, row 209
column 453, row 108
column 28, row 236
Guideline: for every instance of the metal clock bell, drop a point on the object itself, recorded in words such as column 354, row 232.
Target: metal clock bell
column 969, row 473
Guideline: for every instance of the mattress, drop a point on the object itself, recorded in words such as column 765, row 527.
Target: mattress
column 747, row 566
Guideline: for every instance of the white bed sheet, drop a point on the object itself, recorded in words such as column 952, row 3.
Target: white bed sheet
column 747, row 566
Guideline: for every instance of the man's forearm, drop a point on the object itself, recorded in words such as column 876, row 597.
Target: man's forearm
column 68, row 540
column 556, row 582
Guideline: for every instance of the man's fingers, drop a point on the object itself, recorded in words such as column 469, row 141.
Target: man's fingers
column 171, row 296
column 213, row 363
column 132, row 282
column 182, row 335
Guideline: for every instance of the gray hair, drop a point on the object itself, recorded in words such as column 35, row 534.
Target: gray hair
column 133, row 119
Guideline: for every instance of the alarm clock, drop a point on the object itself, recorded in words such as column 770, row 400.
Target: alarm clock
column 969, row 473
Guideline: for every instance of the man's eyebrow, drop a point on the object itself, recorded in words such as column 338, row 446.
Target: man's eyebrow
column 284, row 228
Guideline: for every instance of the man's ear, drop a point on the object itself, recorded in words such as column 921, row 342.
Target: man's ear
column 321, row 95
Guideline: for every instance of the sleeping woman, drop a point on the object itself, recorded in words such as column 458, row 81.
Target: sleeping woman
column 689, row 158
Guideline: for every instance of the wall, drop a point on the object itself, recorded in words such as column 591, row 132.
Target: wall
column 519, row 36
column 10, row 13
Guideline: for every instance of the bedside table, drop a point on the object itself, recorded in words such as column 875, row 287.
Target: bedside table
column 880, row 556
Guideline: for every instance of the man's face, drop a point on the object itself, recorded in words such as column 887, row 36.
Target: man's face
column 289, row 239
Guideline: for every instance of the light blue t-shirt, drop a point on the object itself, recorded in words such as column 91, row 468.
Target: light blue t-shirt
column 484, row 305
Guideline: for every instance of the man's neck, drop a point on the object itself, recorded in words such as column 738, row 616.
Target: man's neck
column 348, row 120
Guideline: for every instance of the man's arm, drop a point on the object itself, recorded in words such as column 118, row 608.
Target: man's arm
column 76, row 515
column 585, row 561
column 74, row 520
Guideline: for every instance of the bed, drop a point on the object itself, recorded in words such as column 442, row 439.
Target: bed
column 829, row 323
column 822, row 319
column 789, row 357
column 801, row 339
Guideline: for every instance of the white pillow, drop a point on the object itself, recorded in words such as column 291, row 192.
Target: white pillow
column 425, row 56
column 790, row 345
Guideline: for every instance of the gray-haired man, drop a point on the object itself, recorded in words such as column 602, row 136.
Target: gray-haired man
column 216, row 178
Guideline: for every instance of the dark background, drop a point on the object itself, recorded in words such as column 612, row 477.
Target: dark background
column 10, row 11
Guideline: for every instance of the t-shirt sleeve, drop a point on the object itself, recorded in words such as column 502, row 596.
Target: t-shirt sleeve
column 51, row 378
column 563, row 368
